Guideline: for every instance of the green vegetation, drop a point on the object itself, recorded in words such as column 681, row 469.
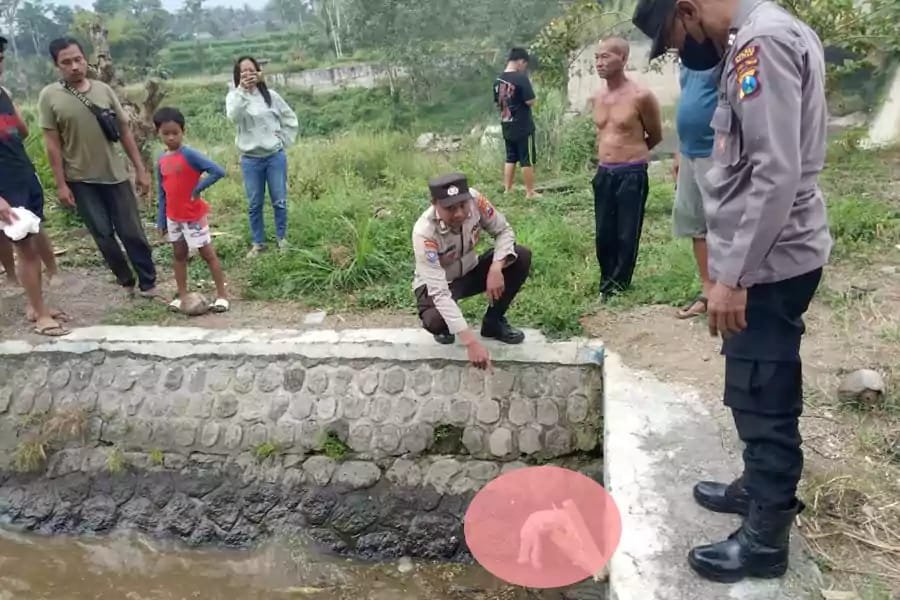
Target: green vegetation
column 115, row 461
column 156, row 458
column 265, row 451
column 42, row 434
column 333, row 447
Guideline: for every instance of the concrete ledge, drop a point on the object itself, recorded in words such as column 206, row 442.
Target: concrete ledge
column 659, row 441
column 382, row 344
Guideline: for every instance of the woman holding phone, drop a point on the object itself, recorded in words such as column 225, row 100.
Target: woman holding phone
column 266, row 126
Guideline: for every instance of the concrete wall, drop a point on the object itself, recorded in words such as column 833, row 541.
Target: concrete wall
column 334, row 78
column 220, row 436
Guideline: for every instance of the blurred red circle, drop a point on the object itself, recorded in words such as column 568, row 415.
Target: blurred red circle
column 543, row 527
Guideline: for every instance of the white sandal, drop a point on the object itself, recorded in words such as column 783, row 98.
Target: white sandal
column 175, row 305
column 221, row 305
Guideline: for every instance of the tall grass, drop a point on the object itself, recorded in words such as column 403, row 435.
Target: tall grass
column 354, row 197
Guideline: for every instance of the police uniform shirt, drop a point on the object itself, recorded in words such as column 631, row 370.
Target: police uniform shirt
column 443, row 255
column 766, row 215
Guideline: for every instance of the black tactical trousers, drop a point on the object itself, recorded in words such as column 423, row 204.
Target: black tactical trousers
column 764, row 387
column 620, row 197
column 473, row 283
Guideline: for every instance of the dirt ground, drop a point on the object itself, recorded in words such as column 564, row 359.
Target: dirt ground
column 852, row 478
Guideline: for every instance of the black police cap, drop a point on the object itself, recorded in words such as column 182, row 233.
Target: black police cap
column 450, row 190
column 651, row 17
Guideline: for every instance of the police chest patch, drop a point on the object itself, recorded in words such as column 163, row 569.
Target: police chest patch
column 431, row 256
column 746, row 64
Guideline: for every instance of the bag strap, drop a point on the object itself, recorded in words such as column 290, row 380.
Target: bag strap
column 90, row 105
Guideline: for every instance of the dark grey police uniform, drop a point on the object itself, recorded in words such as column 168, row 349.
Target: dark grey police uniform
column 768, row 230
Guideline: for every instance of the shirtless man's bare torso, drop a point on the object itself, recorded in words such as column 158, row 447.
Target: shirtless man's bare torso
column 629, row 126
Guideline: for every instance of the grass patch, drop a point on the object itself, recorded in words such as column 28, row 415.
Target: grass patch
column 333, row 447
column 265, row 451
column 115, row 461
column 157, row 458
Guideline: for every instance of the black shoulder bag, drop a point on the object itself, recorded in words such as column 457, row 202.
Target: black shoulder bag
column 106, row 117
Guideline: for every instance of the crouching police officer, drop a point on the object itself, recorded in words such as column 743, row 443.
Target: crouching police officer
column 768, row 242
column 448, row 269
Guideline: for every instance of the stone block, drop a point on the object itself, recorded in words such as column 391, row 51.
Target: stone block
column 319, row 469
column 185, row 432
column 219, row 378
column 326, row 408
column 360, row 438
column 558, row 441
column 417, row 438
column 532, row 383
column 254, row 409
column 404, row 473
column 5, row 399
column 564, row 381
column 421, row 380
column 317, row 380
column 386, row 439
column 353, row 405
column 380, row 408
column 233, row 436
column 43, row 402
column 482, row 471
column 294, row 378
column 488, row 411
column 257, row 435
column 522, row 411
column 174, row 378
column 403, row 410
column 209, row 435
column 547, row 412
column 283, row 435
column 243, row 379
column 226, row 406
column 301, row 405
column 502, row 383
column 440, row 474
column 270, row 379
column 342, row 382
column 501, row 442
column 577, row 408
column 24, row 400
column 278, row 406
column 201, row 405
column 367, row 381
column 59, row 378
column 460, row 412
column 530, row 440
column 473, row 440
column 357, row 475
column 447, row 380
column 393, row 380
column 82, row 372
column 149, row 378
column 180, row 403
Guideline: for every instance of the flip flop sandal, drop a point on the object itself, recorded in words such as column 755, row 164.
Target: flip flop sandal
column 221, row 305
column 57, row 315
column 52, row 331
column 684, row 313
column 175, row 305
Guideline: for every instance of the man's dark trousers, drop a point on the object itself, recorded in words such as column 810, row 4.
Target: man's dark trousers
column 474, row 283
column 764, row 387
column 620, row 196
column 111, row 210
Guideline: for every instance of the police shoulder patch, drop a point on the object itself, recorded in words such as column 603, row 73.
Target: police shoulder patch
column 746, row 66
column 485, row 207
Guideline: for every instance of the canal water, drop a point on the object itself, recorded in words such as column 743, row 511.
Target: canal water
column 132, row 567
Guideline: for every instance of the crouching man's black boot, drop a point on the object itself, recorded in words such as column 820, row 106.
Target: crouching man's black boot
column 759, row 549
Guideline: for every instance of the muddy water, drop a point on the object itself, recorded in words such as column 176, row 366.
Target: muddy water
column 131, row 567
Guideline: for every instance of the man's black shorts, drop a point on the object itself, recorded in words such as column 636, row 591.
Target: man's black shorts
column 521, row 151
column 29, row 196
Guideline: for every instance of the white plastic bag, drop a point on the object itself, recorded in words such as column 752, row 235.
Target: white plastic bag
column 26, row 224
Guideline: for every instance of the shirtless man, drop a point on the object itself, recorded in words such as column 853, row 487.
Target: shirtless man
column 629, row 125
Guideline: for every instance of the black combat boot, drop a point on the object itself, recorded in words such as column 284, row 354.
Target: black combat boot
column 723, row 498
column 758, row 549
column 500, row 330
column 444, row 338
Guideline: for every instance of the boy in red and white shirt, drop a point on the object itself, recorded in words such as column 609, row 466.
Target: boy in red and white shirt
column 182, row 212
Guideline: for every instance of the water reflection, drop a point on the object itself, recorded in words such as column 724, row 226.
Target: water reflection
column 132, row 567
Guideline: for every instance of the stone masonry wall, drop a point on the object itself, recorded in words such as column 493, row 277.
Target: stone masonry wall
column 371, row 443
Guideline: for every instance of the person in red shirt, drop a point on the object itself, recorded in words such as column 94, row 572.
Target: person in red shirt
column 183, row 214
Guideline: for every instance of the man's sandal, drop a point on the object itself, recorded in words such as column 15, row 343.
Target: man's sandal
column 52, row 330
column 175, row 305
column 686, row 313
column 221, row 305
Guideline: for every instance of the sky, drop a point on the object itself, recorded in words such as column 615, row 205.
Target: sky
column 171, row 5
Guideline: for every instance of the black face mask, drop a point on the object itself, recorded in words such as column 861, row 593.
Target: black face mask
column 699, row 56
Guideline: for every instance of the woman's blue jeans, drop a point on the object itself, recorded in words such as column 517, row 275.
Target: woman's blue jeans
column 260, row 172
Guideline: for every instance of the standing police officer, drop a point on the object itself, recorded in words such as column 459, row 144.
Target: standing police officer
column 768, row 242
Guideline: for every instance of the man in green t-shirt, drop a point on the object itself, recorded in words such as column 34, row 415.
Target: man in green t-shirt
column 90, row 171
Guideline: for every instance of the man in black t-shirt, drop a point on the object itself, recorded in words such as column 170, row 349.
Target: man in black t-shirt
column 514, row 97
